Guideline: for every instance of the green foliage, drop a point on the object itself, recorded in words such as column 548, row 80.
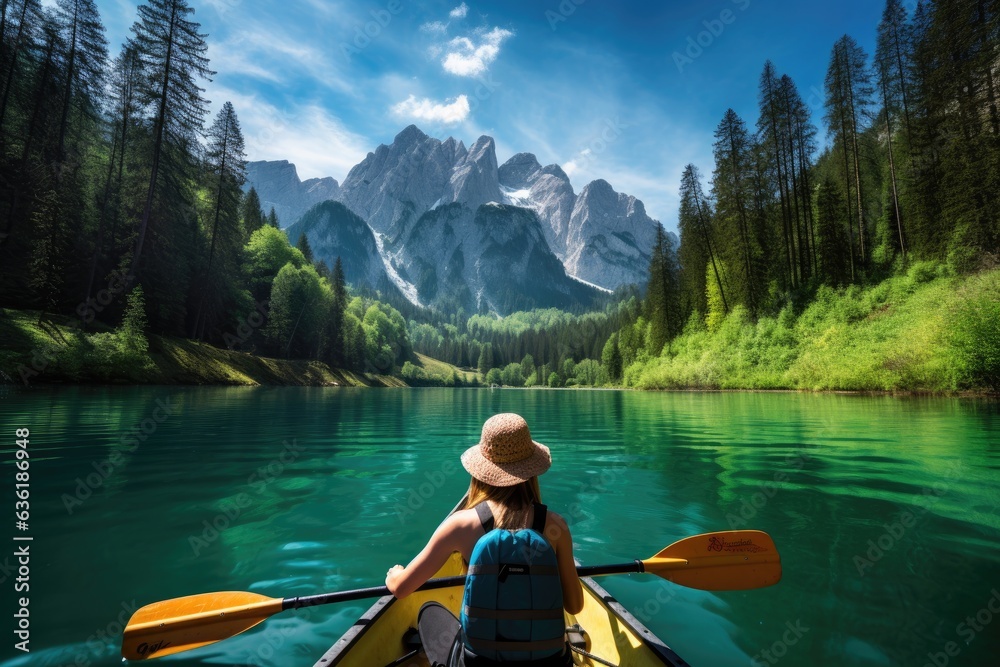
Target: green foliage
column 494, row 377
column 590, row 373
column 976, row 339
column 611, row 358
column 300, row 301
column 122, row 352
column 512, row 375
column 923, row 330
column 717, row 309
column 553, row 380
column 267, row 252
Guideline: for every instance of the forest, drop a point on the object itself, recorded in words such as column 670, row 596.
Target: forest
column 118, row 193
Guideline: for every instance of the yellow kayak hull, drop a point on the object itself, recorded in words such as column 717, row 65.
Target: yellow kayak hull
column 377, row 638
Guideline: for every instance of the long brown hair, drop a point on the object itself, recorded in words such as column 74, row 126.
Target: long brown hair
column 513, row 502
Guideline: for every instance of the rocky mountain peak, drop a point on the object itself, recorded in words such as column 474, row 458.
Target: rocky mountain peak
column 516, row 172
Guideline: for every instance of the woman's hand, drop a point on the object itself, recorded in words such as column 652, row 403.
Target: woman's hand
column 392, row 577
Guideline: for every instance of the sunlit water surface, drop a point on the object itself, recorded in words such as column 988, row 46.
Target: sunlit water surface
column 293, row 491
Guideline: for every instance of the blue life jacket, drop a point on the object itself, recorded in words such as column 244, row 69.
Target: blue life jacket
column 512, row 610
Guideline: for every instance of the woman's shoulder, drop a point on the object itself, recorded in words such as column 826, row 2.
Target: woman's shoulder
column 463, row 518
column 554, row 516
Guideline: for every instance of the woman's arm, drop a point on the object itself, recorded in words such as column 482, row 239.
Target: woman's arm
column 445, row 540
column 557, row 532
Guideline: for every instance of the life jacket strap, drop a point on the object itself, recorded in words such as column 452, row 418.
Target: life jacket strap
column 487, row 520
column 541, row 512
column 485, row 516
column 514, row 614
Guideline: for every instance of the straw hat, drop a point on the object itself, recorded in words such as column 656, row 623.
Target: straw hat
column 506, row 455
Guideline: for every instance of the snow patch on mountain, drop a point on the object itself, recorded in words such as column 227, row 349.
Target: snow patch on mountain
column 590, row 284
column 520, row 197
column 408, row 290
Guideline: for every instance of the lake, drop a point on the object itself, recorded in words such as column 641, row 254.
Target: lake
column 886, row 511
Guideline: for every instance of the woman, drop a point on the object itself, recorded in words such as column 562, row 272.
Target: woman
column 522, row 575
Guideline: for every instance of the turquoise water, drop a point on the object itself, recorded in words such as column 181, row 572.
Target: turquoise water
column 293, row 491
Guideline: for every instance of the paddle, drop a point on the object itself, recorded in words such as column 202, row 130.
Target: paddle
column 728, row 560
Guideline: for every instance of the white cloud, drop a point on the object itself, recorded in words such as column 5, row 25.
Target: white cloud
column 467, row 58
column 459, row 12
column 449, row 113
column 265, row 51
column 307, row 135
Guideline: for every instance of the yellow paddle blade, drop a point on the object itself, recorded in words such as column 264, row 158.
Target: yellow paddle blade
column 181, row 624
column 732, row 560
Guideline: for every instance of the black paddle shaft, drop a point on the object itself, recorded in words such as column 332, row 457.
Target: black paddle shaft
column 443, row 582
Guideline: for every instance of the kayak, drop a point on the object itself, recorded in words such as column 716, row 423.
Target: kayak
column 383, row 635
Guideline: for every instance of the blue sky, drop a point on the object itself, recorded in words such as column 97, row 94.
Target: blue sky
column 614, row 90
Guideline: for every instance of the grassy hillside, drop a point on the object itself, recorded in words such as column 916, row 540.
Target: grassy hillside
column 428, row 372
column 923, row 331
column 58, row 352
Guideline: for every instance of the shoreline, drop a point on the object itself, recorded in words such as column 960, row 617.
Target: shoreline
column 373, row 381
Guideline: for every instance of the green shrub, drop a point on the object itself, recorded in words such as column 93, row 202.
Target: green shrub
column 976, row 341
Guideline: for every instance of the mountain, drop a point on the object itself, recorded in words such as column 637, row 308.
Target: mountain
column 491, row 259
column 602, row 237
column 610, row 237
column 446, row 221
column 278, row 185
column 335, row 231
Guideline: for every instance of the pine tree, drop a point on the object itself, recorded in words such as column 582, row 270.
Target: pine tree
column 272, row 219
column 848, row 101
column 123, row 111
column 336, row 334
column 485, row 363
column 85, row 60
column 772, row 129
column 893, row 57
column 19, row 23
column 303, row 245
column 172, row 52
column 227, row 164
column 662, row 294
column 253, row 215
column 834, row 249
column 611, row 358
column 731, row 191
column 697, row 248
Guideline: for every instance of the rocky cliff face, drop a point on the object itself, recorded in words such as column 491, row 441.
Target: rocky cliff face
column 278, row 185
column 334, row 231
column 610, row 237
column 447, row 221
